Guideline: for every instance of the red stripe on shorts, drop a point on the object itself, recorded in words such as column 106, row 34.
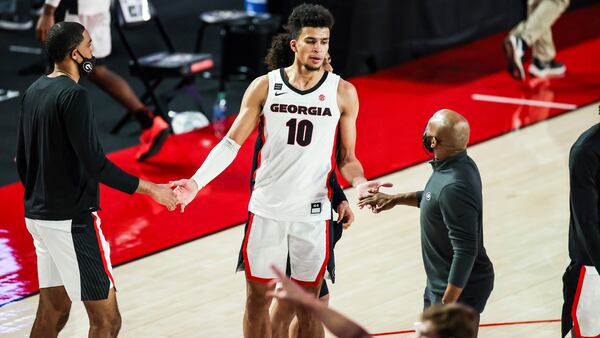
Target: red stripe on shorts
column 104, row 263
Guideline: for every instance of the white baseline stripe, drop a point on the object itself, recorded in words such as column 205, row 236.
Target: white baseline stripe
column 512, row 100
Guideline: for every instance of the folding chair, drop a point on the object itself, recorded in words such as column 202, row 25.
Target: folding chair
column 258, row 29
column 153, row 68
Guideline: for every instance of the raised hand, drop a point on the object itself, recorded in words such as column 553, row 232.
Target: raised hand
column 162, row 194
column 345, row 214
column 365, row 187
column 185, row 190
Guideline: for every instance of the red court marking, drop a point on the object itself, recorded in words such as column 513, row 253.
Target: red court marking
column 393, row 333
column 395, row 105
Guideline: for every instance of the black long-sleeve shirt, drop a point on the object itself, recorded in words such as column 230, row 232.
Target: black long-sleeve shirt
column 60, row 160
column 452, row 226
column 584, row 224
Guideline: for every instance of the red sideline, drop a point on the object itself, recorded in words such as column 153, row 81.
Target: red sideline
column 482, row 325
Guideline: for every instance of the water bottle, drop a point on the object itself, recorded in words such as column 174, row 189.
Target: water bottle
column 219, row 114
column 255, row 6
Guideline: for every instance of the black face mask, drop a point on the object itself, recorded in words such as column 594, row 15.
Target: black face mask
column 87, row 65
column 427, row 142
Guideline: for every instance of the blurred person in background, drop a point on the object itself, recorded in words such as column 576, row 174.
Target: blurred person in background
column 535, row 32
column 95, row 16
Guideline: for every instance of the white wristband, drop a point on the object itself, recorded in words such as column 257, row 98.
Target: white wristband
column 219, row 158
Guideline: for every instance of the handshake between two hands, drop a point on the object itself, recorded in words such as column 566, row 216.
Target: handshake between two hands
column 369, row 196
column 180, row 192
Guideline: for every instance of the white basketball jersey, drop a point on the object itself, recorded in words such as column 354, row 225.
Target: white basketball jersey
column 295, row 150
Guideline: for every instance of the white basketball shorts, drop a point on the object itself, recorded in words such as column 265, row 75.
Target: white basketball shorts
column 98, row 25
column 586, row 305
column 269, row 242
column 75, row 254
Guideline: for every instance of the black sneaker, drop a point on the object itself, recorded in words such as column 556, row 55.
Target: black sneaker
column 514, row 49
column 13, row 22
column 542, row 69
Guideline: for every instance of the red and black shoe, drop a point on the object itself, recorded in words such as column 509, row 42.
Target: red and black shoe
column 152, row 138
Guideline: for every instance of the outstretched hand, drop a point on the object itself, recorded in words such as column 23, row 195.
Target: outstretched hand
column 162, row 194
column 185, row 191
column 377, row 201
column 365, row 187
column 368, row 188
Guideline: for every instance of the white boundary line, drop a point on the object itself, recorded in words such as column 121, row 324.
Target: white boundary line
column 512, row 100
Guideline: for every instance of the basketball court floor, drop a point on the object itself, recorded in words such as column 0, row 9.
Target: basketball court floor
column 191, row 290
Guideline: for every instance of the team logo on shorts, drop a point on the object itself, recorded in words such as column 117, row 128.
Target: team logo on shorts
column 321, row 97
column 428, row 196
column 315, row 208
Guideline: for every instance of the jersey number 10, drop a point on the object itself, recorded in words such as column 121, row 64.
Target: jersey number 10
column 299, row 132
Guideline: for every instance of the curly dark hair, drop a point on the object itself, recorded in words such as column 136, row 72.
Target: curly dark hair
column 306, row 15
column 280, row 54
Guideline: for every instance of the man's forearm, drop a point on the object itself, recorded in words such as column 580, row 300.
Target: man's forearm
column 409, row 198
column 353, row 172
column 145, row 187
column 451, row 294
column 340, row 325
column 48, row 10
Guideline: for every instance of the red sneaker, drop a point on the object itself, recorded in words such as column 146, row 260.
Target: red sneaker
column 152, row 139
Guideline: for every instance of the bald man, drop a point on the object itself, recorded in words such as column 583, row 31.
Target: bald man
column 457, row 266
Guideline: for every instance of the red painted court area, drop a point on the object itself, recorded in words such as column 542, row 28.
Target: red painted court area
column 395, row 105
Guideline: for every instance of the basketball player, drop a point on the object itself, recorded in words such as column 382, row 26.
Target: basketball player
column 299, row 110
column 283, row 314
column 60, row 162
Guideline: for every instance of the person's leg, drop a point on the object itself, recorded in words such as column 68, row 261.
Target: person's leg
column 265, row 244
column 308, row 325
column 54, row 303
column 116, row 87
column 155, row 130
column 515, row 45
column 104, row 316
column 543, row 49
column 309, row 254
column 52, row 312
column 282, row 316
column 294, row 325
column 257, row 323
column 542, row 16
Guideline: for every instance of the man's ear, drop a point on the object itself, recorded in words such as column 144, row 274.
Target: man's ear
column 294, row 45
column 74, row 55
